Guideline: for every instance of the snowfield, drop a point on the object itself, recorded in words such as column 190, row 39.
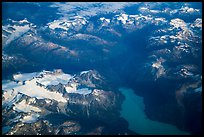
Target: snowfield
column 30, row 118
column 33, row 90
column 50, row 79
column 35, row 85
column 25, row 76
column 24, row 107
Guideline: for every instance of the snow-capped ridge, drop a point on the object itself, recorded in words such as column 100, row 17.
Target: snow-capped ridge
column 66, row 24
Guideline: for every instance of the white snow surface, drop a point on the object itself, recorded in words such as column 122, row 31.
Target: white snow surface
column 10, row 97
column 24, row 107
column 83, row 91
column 89, row 9
column 104, row 19
column 33, row 90
column 34, row 86
column 73, row 89
column 25, row 76
column 9, row 85
column 30, row 118
column 65, row 24
column 187, row 9
column 178, row 23
column 123, row 18
column 54, row 79
column 84, row 72
column 197, row 23
column 19, row 30
column 160, row 68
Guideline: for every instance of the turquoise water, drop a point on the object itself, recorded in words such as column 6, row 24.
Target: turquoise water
column 133, row 111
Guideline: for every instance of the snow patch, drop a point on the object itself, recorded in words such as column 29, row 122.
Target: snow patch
column 178, row 23
column 10, row 97
column 19, row 31
column 24, row 107
column 73, row 89
column 197, row 23
column 33, row 90
column 187, row 9
column 84, row 72
column 24, row 21
column 83, row 91
column 54, row 79
column 25, row 76
column 65, row 24
column 159, row 67
column 123, row 18
column 30, row 118
column 104, row 19
column 9, row 85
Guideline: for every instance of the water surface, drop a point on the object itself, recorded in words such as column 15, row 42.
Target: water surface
column 133, row 111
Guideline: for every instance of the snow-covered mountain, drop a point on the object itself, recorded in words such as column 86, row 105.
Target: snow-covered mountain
column 31, row 97
column 154, row 48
